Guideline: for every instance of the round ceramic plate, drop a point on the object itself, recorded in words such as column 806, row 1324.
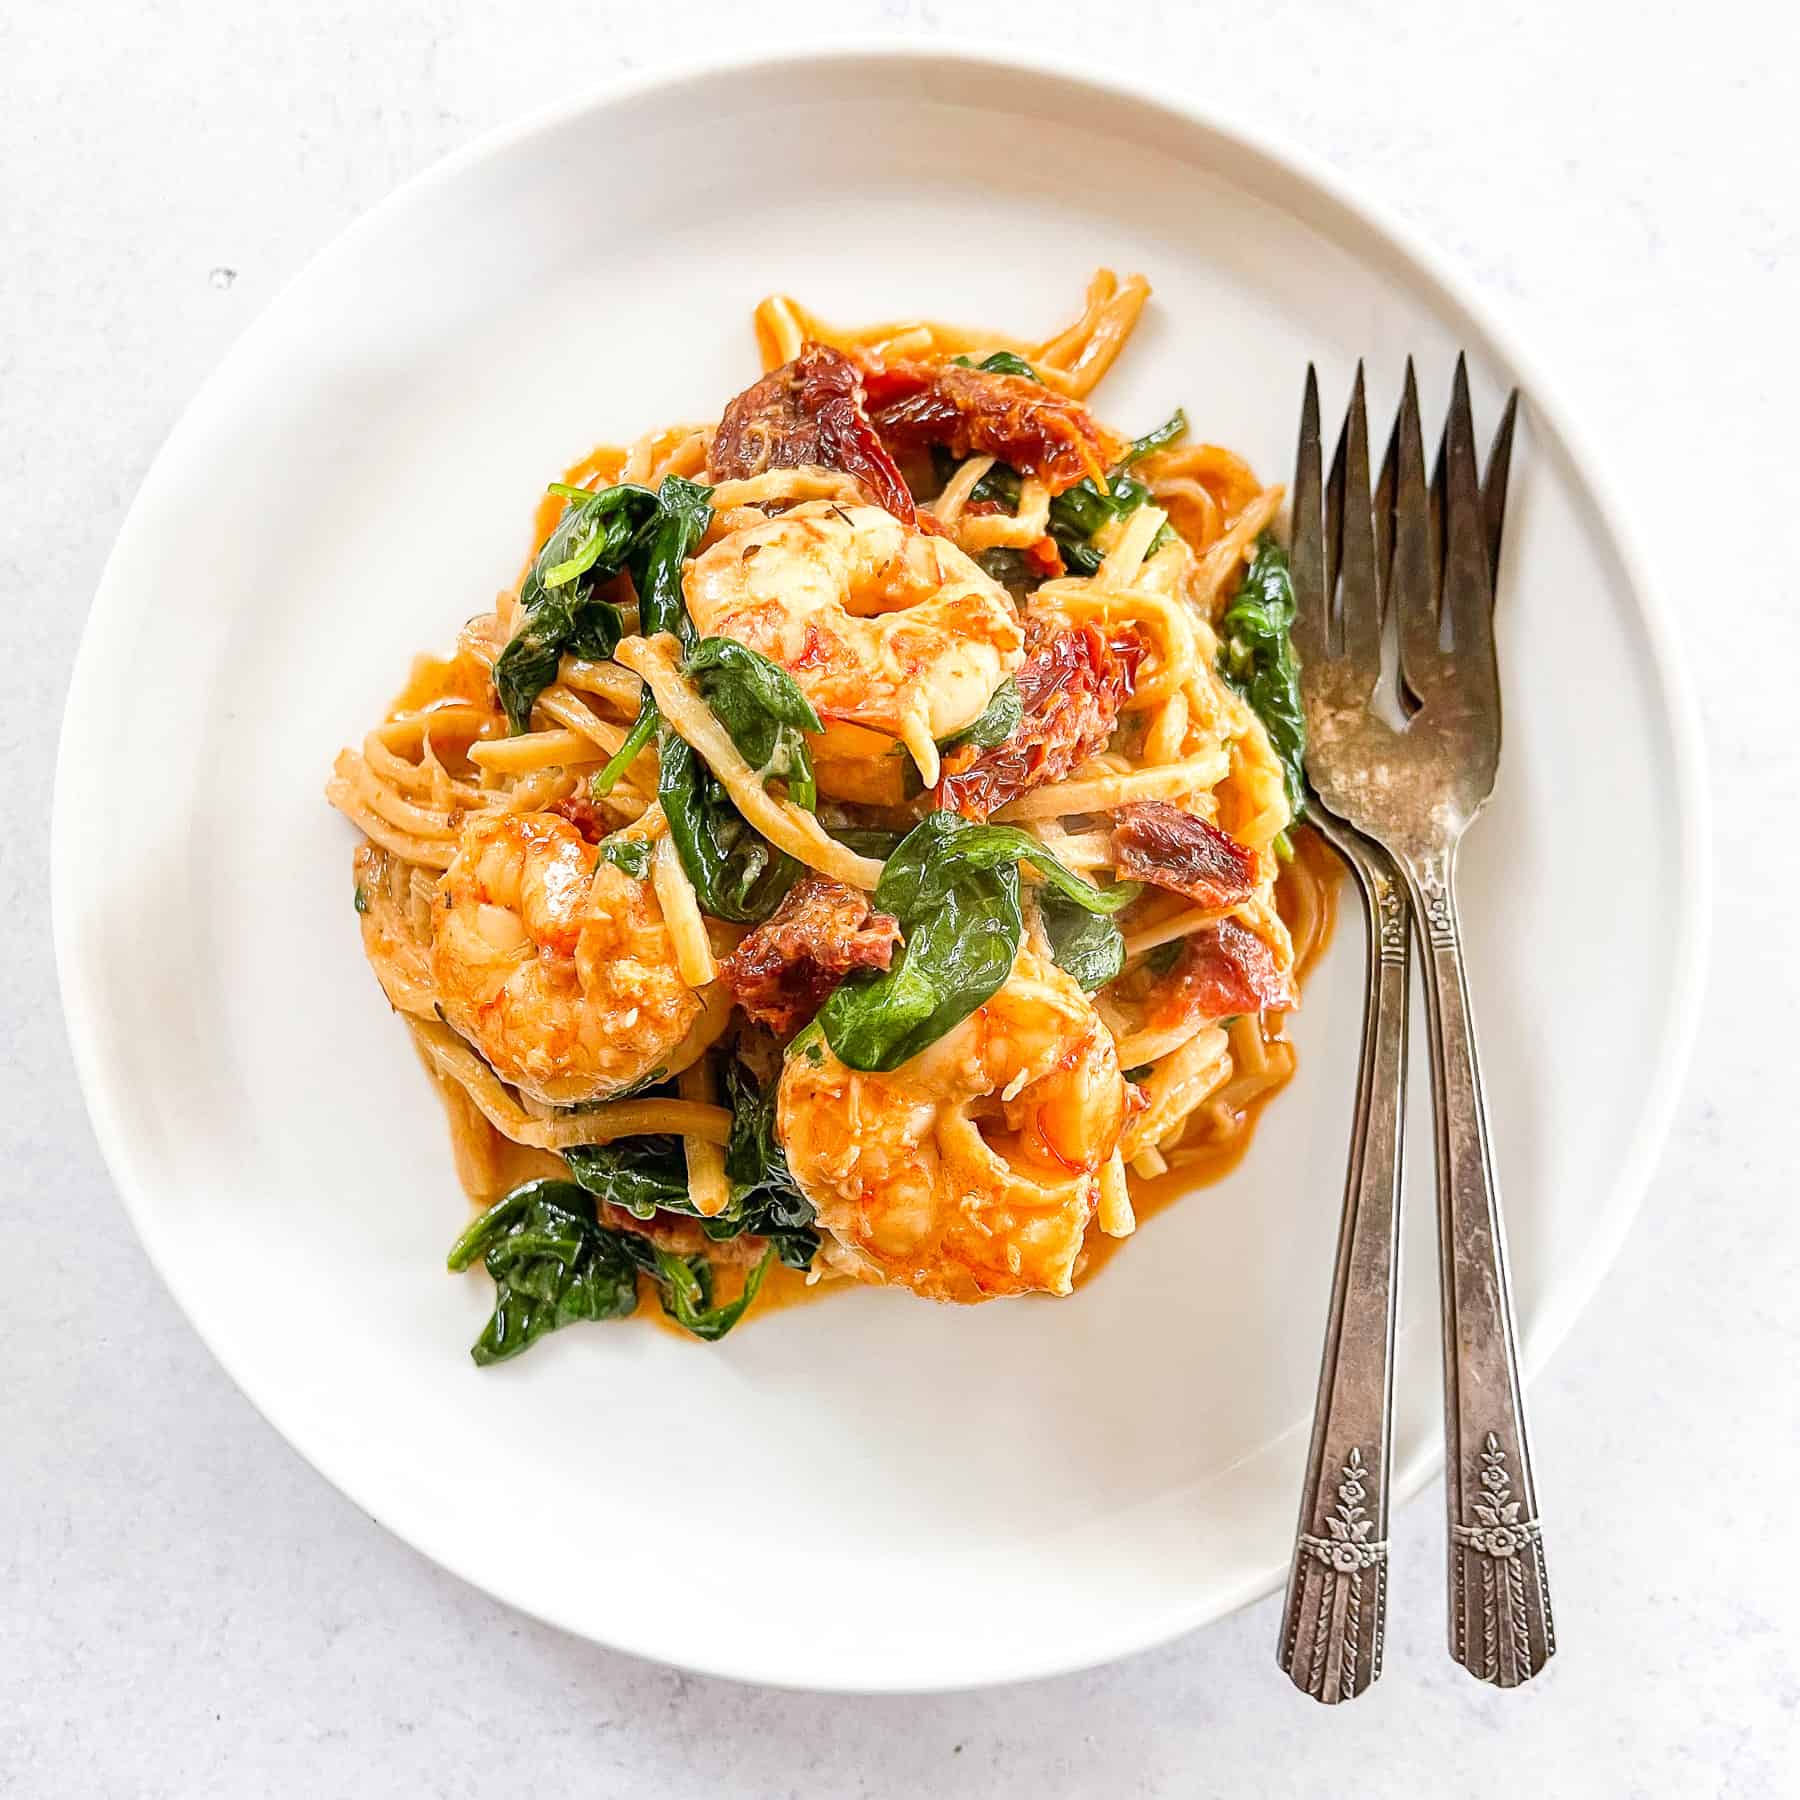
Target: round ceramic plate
column 872, row 1492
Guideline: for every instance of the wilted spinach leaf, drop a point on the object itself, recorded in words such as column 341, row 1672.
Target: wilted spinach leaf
column 761, row 705
column 954, row 887
column 589, row 546
column 632, row 854
column 867, row 840
column 683, row 512
column 552, row 1263
column 764, row 1195
column 998, row 721
column 643, row 1175
column 685, row 1284
column 1256, row 656
column 946, row 847
column 1164, row 957
column 1079, row 512
column 1087, row 945
column 737, row 873
column 1001, row 362
column 643, row 729
column 1165, row 434
column 1014, row 571
column 648, row 1175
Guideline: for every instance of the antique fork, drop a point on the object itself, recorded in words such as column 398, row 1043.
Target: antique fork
column 1335, row 1619
column 1412, row 776
column 1334, row 1623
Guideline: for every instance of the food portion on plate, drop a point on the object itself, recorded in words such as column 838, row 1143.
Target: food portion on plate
column 862, row 846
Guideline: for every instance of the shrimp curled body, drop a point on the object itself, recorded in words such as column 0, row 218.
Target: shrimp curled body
column 972, row 1170
column 556, row 967
column 882, row 626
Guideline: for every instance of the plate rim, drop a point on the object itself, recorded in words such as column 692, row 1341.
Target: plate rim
column 83, row 1009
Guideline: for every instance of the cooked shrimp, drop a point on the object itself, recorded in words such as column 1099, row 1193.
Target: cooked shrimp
column 556, row 967
column 881, row 625
column 973, row 1169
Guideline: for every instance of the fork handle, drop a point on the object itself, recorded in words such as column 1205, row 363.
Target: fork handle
column 1501, row 1628
column 1334, row 1625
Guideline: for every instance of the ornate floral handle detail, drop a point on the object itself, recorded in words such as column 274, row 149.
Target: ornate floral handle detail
column 1334, row 1626
column 1501, row 1628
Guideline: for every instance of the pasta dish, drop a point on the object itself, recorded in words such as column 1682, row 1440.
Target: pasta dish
column 863, row 846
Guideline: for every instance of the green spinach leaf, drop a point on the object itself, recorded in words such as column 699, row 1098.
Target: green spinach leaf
column 590, row 545
column 1164, row 957
column 761, row 705
column 631, row 854
column 946, row 847
column 954, row 887
column 1164, row 435
column 998, row 721
column 553, row 1264
column 1256, row 657
column 643, row 729
column 764, row 1194
column 643, row 1175
column 683, row 512
column 867, row 840
column 1087, row 945
column 1001, row 362
column 685, row 1284
column 648, row 1175
column 737, row 873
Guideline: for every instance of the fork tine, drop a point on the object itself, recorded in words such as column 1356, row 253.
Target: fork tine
column 1412, row 576
column 1468, row 594
column 1385, row 483
column 1334, row 545
column 1360, row 590
column 1438, row 467
column 1493, row 486
column 1307, row 561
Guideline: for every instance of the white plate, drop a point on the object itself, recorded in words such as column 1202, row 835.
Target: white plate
column 870, row 1493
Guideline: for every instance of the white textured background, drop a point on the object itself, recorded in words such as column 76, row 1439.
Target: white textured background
column 187, row 1610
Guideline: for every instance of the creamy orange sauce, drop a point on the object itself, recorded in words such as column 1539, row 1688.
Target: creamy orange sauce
column 782, row 1288
column 444, row 681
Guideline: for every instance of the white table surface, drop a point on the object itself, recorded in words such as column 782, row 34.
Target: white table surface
column 186, row 1609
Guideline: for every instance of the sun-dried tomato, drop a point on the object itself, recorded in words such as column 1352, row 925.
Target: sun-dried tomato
column 783, row 972
column 1072, row 684
column 978, row 412
column 809, row 412
column 581, row 812
column 1224, row 970
column 1159, row 843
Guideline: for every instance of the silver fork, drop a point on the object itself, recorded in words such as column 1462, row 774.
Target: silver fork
column 1335, row 1620
column 1413, row 785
